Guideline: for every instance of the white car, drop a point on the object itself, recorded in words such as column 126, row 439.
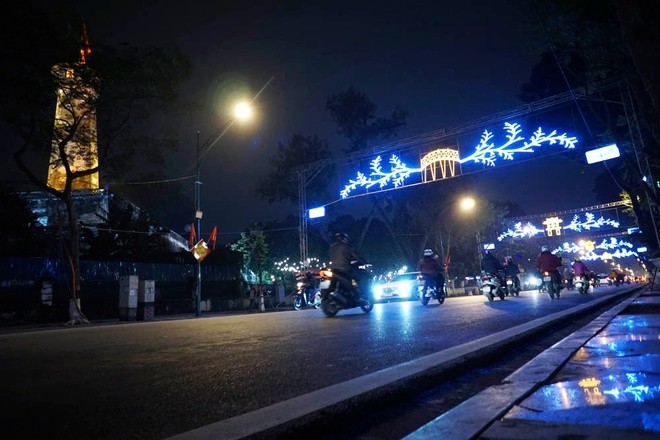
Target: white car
column 402, row 286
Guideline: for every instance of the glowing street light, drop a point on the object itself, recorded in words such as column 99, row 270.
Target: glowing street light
column 467, row 203
column 242, row 112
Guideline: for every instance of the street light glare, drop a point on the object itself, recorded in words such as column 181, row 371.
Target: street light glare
column 467, row 203
column 243, row 111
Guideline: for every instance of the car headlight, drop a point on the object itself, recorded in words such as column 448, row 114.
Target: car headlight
column 406, row 288
column 377, row 290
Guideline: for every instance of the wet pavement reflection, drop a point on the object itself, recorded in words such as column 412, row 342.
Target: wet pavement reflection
column 613, row 380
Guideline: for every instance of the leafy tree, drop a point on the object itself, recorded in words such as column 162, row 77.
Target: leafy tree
column 355, row 116
column 254, row 249
column 595, row 40
column 281, row 182
column 128, row 88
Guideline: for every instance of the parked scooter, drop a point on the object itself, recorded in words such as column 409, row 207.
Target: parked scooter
column 491, row 286
column 335, row 295
column 428, row 289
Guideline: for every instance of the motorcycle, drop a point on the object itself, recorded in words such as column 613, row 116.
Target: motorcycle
column 428, row 291
column 581, row 283
column 335, row 296
column 491, row 287
column 551, row 285
column 512, row 289
column 306, row 294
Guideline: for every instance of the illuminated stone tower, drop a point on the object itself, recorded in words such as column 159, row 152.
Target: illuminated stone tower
column 76, row 106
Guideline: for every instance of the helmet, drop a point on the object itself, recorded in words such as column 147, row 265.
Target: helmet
column 577, row 258
column 545, row 248
column 508, row 258
column 341, row 236
column 428, row 252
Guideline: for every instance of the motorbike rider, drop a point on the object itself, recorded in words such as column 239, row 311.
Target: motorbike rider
column 579, row 268
column 511, row 269
column 549, row 262
column 308, row 280
column 431, row 271
column 492, row 266
column 341, row 256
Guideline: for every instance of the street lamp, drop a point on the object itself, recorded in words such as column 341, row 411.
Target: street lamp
column 242, row 112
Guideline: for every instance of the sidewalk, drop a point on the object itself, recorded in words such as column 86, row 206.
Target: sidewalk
column 601, row 382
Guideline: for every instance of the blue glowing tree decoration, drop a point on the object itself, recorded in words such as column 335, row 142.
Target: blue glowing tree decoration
column 612, row 248
column 590, row 223
column 397, row 174
column 530, row 230
column 521, row 231
column 487, row 153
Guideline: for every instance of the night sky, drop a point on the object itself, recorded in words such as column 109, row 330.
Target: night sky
column 444, row 62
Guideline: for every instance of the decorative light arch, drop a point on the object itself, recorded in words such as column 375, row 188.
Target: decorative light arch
column 553, row 226
column 486, row 153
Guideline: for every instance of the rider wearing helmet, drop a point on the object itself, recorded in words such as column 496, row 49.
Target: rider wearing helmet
column 579, row 268
column 511, row 269
column 492, row 266
column 342, row 261
column 549, row 262
column 431, row 270
column 489, row 263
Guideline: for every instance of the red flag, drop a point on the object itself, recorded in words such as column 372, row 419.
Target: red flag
column 193, row 236
column 212, row 238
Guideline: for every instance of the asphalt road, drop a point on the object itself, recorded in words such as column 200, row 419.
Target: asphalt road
column 152, row 380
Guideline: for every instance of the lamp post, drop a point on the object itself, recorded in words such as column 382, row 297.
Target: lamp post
column 242, row 112
column 468, row 204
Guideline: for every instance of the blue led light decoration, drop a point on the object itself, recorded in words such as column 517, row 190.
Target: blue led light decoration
column 590, row 223
column 611, row 249
column 397, row 174
column 486, row 152
column 530, row 230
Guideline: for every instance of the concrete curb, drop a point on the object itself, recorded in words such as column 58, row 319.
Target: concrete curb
column 472, row 417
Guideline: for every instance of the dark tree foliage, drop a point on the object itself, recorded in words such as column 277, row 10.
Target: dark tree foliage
column 356, row 119
column 617, row 40
column 281, row 182
column 20, row 233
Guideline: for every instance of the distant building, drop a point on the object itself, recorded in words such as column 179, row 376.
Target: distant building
column 75, row 105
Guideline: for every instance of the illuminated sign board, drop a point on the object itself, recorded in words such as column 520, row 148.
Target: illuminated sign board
column 317, row 212
column 603, row 153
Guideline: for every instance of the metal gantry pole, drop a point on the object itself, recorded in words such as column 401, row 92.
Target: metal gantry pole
column 302, row 212
column 198, row 216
